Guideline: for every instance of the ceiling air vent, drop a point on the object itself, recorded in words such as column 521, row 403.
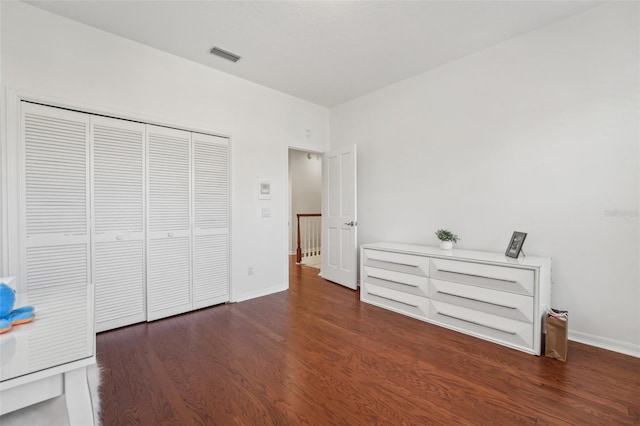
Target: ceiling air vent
column 224, row 54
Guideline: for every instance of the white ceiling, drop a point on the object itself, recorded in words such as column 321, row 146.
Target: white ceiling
column 326, row 52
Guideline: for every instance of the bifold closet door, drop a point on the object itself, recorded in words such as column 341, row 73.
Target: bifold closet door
column 210, row 220
column 118, row 215
column 168, row 222
column 53, row 165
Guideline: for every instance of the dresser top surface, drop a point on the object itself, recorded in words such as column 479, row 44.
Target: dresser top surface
column 17, row 345
column 460, row 254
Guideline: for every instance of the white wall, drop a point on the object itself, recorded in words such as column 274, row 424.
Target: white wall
column 3, row 228
column 50, row 56
column 306, row 188
column 539, row 134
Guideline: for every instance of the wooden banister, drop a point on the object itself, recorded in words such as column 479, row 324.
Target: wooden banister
column 299, row 248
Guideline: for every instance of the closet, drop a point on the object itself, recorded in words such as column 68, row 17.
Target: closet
column 169, row 220
column 54, row 222
column 118, row 226
column 140, row 211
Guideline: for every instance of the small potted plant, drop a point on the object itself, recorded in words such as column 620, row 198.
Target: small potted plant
column 447, row 238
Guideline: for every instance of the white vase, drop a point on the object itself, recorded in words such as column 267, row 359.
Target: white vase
column 446, row 245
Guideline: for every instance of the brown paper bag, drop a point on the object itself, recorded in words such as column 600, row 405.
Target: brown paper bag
column 557, row 342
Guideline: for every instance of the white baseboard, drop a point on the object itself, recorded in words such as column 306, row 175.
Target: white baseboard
column 605, row 343
column 264, row 292
column 311, row 260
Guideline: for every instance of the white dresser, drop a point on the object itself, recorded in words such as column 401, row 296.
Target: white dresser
column 486, row 295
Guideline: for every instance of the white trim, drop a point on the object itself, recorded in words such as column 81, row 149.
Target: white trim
column 14, row 187
column 605, row 343
column 263, row 292
column 4, row 229
column 311, row 259
column 230, row 189
column 120, row 113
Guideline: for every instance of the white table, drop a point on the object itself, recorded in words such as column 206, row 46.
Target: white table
column 26, row 381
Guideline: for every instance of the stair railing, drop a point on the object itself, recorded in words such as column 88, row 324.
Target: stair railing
column 309, row 235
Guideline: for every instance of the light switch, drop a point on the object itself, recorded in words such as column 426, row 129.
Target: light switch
column 266, row 212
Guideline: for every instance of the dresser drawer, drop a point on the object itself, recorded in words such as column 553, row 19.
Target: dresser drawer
column 400, row 262
column 400, row 281
column 502, row 278
column 501, row 303
column 481, row 324
column 404, row 303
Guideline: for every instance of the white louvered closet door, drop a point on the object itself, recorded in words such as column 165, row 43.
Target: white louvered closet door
column 211, row 220
column 55, row 201
column 169, row 222
column 118, row 216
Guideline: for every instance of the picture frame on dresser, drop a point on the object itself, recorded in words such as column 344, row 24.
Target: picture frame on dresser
column 515, row 245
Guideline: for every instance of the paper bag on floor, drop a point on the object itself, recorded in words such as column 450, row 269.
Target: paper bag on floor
column 556, row 342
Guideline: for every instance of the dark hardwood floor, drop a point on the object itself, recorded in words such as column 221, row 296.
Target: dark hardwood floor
column 316, row 355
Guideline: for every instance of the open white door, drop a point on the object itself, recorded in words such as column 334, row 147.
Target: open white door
column 339, row 218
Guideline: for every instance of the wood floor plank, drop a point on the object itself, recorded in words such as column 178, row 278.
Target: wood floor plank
column 315, row 355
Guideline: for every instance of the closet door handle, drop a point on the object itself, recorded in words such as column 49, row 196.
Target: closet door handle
column 170, row 234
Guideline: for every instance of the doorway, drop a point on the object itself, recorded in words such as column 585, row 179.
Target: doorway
column 305, row 206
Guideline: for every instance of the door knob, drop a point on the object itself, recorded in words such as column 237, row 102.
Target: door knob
column 352, row 223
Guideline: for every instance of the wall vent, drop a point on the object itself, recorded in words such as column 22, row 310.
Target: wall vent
column 224, row 54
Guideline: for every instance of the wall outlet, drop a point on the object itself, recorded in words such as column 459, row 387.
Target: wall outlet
column 266, row 212
column 250, row 270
